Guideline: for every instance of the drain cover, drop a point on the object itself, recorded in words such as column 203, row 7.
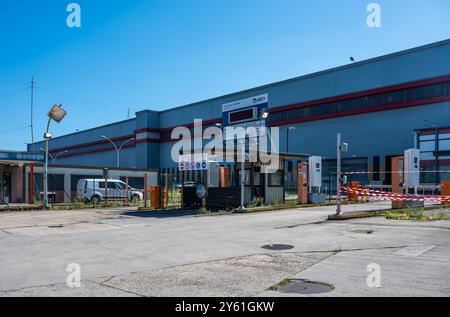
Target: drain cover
column 278, row 247
column 363, row 231
column 306, row 287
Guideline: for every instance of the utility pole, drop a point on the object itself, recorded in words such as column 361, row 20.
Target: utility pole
column 57, row 113
column 288, row 130
column 32, row 106
column 47, row 137
column 242, row 207
column 341, row 148
column 338, row 205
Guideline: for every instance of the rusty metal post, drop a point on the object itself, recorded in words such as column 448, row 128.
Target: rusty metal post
column 397, row 179
column 31, row 185
column 145, row 190
column 302, row 183
column 106, row 190
column 166, row 203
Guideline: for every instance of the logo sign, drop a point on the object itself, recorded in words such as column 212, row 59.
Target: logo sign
column 57, row 113
column 22, row 156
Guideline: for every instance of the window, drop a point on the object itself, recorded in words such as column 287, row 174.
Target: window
column 242, row 115
column 101, row 185
column 55, row 183
column 118, row 186
column 376, row 168
column 367, row 102
column 276, row 179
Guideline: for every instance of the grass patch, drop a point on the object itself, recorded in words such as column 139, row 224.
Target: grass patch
column 82, row 206
column 414, row 214
column 277, row 287
column 339, row 249
column 21, row 208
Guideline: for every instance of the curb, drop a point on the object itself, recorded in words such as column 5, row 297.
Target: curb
column 354, row 215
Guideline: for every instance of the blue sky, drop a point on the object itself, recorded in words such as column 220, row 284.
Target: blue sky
column 157, row 54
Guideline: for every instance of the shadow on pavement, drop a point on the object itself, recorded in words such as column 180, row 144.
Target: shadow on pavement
column 161, row 214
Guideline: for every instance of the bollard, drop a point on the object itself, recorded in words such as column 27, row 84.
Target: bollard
column 145, row 190
column 126, row 190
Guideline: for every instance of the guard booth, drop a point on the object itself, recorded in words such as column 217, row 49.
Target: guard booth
column 223, row 180
column 245, row 124
column 12, row 165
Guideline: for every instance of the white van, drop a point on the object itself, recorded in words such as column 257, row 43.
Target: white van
column 93, row 191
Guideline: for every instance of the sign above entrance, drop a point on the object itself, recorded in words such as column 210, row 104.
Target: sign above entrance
column 245, row 110
column 22, row 156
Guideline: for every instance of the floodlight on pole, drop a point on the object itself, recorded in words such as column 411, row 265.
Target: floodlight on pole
column 57, row 114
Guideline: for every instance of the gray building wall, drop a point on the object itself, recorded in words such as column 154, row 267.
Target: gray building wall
column 374, row 134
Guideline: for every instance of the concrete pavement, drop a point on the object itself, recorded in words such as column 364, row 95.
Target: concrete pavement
column 138, row 254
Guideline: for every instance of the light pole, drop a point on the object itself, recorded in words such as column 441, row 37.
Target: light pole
column 435, row 126
column 341, row 148
column 242, row 141
column 118, row 149
column 56, row 156
column 287, row 137
column 57, row 113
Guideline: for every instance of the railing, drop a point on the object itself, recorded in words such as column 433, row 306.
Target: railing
column 2, row 202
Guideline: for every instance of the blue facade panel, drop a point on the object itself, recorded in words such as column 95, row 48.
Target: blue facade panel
column 383, row 133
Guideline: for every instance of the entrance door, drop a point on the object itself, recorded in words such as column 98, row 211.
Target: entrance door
column 7, row 187
column 2, row 195
column 388, row 169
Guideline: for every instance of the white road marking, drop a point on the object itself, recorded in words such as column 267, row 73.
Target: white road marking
column 414, row 250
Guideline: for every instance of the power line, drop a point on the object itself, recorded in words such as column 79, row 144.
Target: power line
column 14, row 130
column 12, row 94
column 83, row 101
column 59, row 94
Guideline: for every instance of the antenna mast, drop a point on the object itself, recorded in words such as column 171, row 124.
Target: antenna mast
column 32, row 105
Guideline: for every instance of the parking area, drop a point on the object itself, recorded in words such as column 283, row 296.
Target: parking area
column 125, row 253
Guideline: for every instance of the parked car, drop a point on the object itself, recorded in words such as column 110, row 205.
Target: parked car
column 93, row 191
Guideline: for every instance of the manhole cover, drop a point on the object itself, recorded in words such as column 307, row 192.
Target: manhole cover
column 278, row 247
column 306, row 287
column 363, row 231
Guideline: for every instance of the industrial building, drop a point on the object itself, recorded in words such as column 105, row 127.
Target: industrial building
column 382, row 107
column 12, row 166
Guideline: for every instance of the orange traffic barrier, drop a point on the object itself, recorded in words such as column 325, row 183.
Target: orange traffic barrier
column 155, row 197
column 351, row 196
column 445, row 188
